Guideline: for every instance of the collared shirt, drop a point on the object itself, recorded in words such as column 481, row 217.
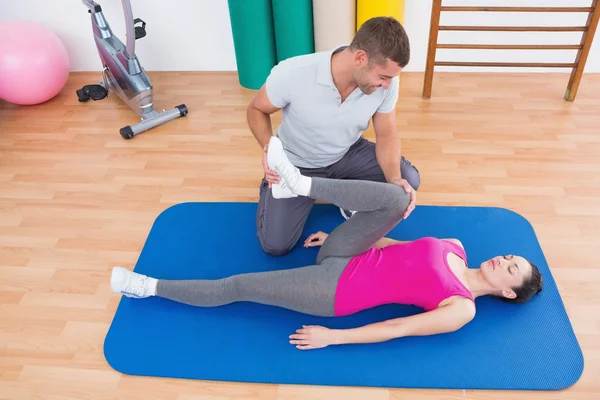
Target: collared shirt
column 317, row 128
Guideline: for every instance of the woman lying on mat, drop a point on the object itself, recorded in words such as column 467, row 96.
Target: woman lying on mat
column 357, row 268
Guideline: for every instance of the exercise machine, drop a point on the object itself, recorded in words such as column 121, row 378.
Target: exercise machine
column 122, row 72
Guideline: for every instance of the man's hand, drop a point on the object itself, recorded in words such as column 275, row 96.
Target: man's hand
column 259, row 120
column 271, row 176
column 387, row 150
column 408, row 189
column 312, row 337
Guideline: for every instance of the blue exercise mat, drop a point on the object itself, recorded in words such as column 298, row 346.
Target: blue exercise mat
column 527, row 347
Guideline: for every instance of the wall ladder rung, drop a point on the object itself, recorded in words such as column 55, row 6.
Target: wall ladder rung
column 577, row 66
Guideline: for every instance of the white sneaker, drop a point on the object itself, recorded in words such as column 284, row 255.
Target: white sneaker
column 282, row 191
column 289, row 174
column 347, row 214
column 132, row 284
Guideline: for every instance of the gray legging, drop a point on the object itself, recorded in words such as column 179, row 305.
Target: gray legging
column 310, row 289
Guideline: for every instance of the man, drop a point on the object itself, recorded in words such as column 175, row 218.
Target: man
column 328, row 100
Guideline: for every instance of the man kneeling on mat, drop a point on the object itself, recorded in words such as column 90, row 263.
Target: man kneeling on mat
column 358, row 268
column 328, row 100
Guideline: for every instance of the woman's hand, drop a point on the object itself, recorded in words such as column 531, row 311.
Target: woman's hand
column 316, row 239
column 312, row 337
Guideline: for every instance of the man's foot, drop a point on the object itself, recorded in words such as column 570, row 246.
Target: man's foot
column 132, row 284
column 291, row 178
column 347, row 214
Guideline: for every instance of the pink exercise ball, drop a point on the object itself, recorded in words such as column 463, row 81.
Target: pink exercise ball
column 34, row 64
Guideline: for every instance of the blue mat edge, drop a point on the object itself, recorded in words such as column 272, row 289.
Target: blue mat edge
column 169, row 209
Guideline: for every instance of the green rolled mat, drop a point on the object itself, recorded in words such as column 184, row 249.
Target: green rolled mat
column 253, row 40
column 294, row 32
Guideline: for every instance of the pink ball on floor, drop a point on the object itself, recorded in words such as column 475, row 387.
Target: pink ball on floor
column 34, row 64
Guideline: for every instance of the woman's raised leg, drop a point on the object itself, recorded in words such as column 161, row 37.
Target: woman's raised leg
column 379, row 206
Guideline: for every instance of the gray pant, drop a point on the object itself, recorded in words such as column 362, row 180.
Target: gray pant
column 280, row 222
column 311, row 289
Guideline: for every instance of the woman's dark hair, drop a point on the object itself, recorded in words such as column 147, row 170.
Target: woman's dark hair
column 529, row 288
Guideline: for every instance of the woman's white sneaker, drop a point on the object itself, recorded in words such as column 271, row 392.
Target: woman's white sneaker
column 132, row 284
column 292, row 179
column 282, row 191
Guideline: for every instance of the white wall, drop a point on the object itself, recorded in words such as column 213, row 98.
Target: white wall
column 182, row 34
column 196, row 34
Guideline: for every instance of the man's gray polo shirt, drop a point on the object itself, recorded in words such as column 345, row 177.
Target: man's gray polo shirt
column 317, row 129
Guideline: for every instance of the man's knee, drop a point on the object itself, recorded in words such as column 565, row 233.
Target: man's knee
column 275, row 245
column 280, row 222
column 411, row 174
column 271, row 230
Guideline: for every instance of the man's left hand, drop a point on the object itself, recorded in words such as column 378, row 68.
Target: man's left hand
column 408, row 189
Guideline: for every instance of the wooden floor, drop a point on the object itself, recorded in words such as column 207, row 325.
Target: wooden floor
column 76, row 199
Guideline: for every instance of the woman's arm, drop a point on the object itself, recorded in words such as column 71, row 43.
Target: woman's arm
column 441, row 320
column 384, row 242
column 317, row 239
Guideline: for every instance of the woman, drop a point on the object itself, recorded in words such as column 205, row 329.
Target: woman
column 357, row 268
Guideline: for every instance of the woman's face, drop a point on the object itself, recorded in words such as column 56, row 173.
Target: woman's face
column 505, row 272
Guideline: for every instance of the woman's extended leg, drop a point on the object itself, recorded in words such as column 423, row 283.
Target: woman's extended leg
column 310, row 290
column 379, row 206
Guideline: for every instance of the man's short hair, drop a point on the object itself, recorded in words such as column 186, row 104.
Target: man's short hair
column 383, row 38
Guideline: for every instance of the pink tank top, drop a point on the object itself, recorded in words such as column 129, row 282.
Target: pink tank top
column 414, row 273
